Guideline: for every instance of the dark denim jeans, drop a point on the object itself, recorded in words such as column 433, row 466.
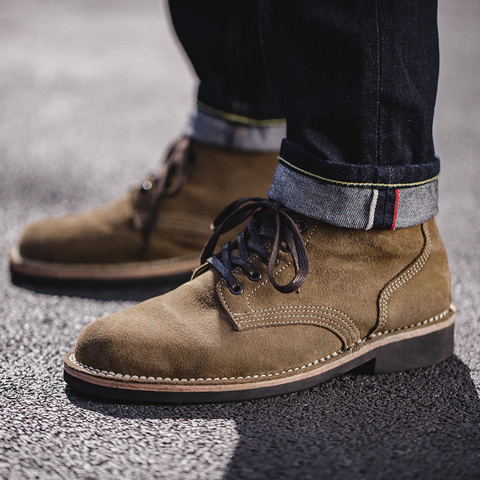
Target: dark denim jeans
column 356, row 81
column 235, row 105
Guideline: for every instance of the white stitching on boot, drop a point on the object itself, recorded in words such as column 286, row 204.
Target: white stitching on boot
column 338, row 322
column 403, row 278
column 104, row 373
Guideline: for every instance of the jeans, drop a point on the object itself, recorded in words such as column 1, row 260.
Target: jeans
column 235, row 106
column 356, row 81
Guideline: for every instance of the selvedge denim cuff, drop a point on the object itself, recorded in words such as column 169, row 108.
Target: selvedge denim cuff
column 233, row 131
column 355, row 207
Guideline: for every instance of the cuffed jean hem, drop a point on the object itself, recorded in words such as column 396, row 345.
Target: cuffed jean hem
column 362, row 174
column 231, row 131
column 354, row 207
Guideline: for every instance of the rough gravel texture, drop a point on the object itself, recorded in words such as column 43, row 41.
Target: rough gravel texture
column 90, row 94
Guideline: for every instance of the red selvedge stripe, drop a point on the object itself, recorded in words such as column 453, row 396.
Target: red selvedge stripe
column 395, row 210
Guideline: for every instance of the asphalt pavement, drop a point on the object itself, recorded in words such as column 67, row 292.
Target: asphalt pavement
column 91, row 93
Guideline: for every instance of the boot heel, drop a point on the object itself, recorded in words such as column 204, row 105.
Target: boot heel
column 416, row 352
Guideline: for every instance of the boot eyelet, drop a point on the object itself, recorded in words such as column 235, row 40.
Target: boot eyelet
column 236, row 289
column 283, row 246
column 302, row 225
column 146, row 186
column 254, row 276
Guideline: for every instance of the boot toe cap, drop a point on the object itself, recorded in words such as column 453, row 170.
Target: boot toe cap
column 85, row 237
column 42, row 241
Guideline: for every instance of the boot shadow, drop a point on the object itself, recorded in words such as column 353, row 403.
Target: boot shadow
column 135, row 291
column 416, row 424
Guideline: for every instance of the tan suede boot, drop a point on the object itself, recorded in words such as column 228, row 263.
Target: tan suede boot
column 285, row 307
column 156, row 231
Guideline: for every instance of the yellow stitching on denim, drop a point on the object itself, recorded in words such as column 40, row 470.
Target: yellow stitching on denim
column 234, row 118
column 352, row 184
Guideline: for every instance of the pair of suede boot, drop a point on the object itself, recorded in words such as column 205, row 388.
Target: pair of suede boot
column 288, row 303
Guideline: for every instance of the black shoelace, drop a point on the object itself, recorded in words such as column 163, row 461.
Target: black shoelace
column 269, row 220
column 166, row 183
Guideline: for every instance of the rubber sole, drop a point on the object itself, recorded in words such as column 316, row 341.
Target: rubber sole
column 408, row 349
column 34, row 271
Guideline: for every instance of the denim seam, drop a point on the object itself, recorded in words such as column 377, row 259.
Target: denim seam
column 353, row 207
column 353, row 184
column 373, row 207
column 379, row 72
column 234, row 118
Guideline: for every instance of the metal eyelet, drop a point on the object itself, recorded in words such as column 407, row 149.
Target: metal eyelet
column 302, row 225
column 254, row 276
column 146, row 186
column 236, row 289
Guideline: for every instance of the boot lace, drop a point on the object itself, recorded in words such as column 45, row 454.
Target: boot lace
column 166, row 183
column 270, row 223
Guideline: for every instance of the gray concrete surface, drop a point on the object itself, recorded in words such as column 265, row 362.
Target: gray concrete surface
column 90, row 94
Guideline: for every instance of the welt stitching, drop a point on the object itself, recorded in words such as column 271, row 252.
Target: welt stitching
column 407, row 275
column 104, row 373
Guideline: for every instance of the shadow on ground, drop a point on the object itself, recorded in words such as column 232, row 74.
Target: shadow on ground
column 397, row 426
column 107, row 291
